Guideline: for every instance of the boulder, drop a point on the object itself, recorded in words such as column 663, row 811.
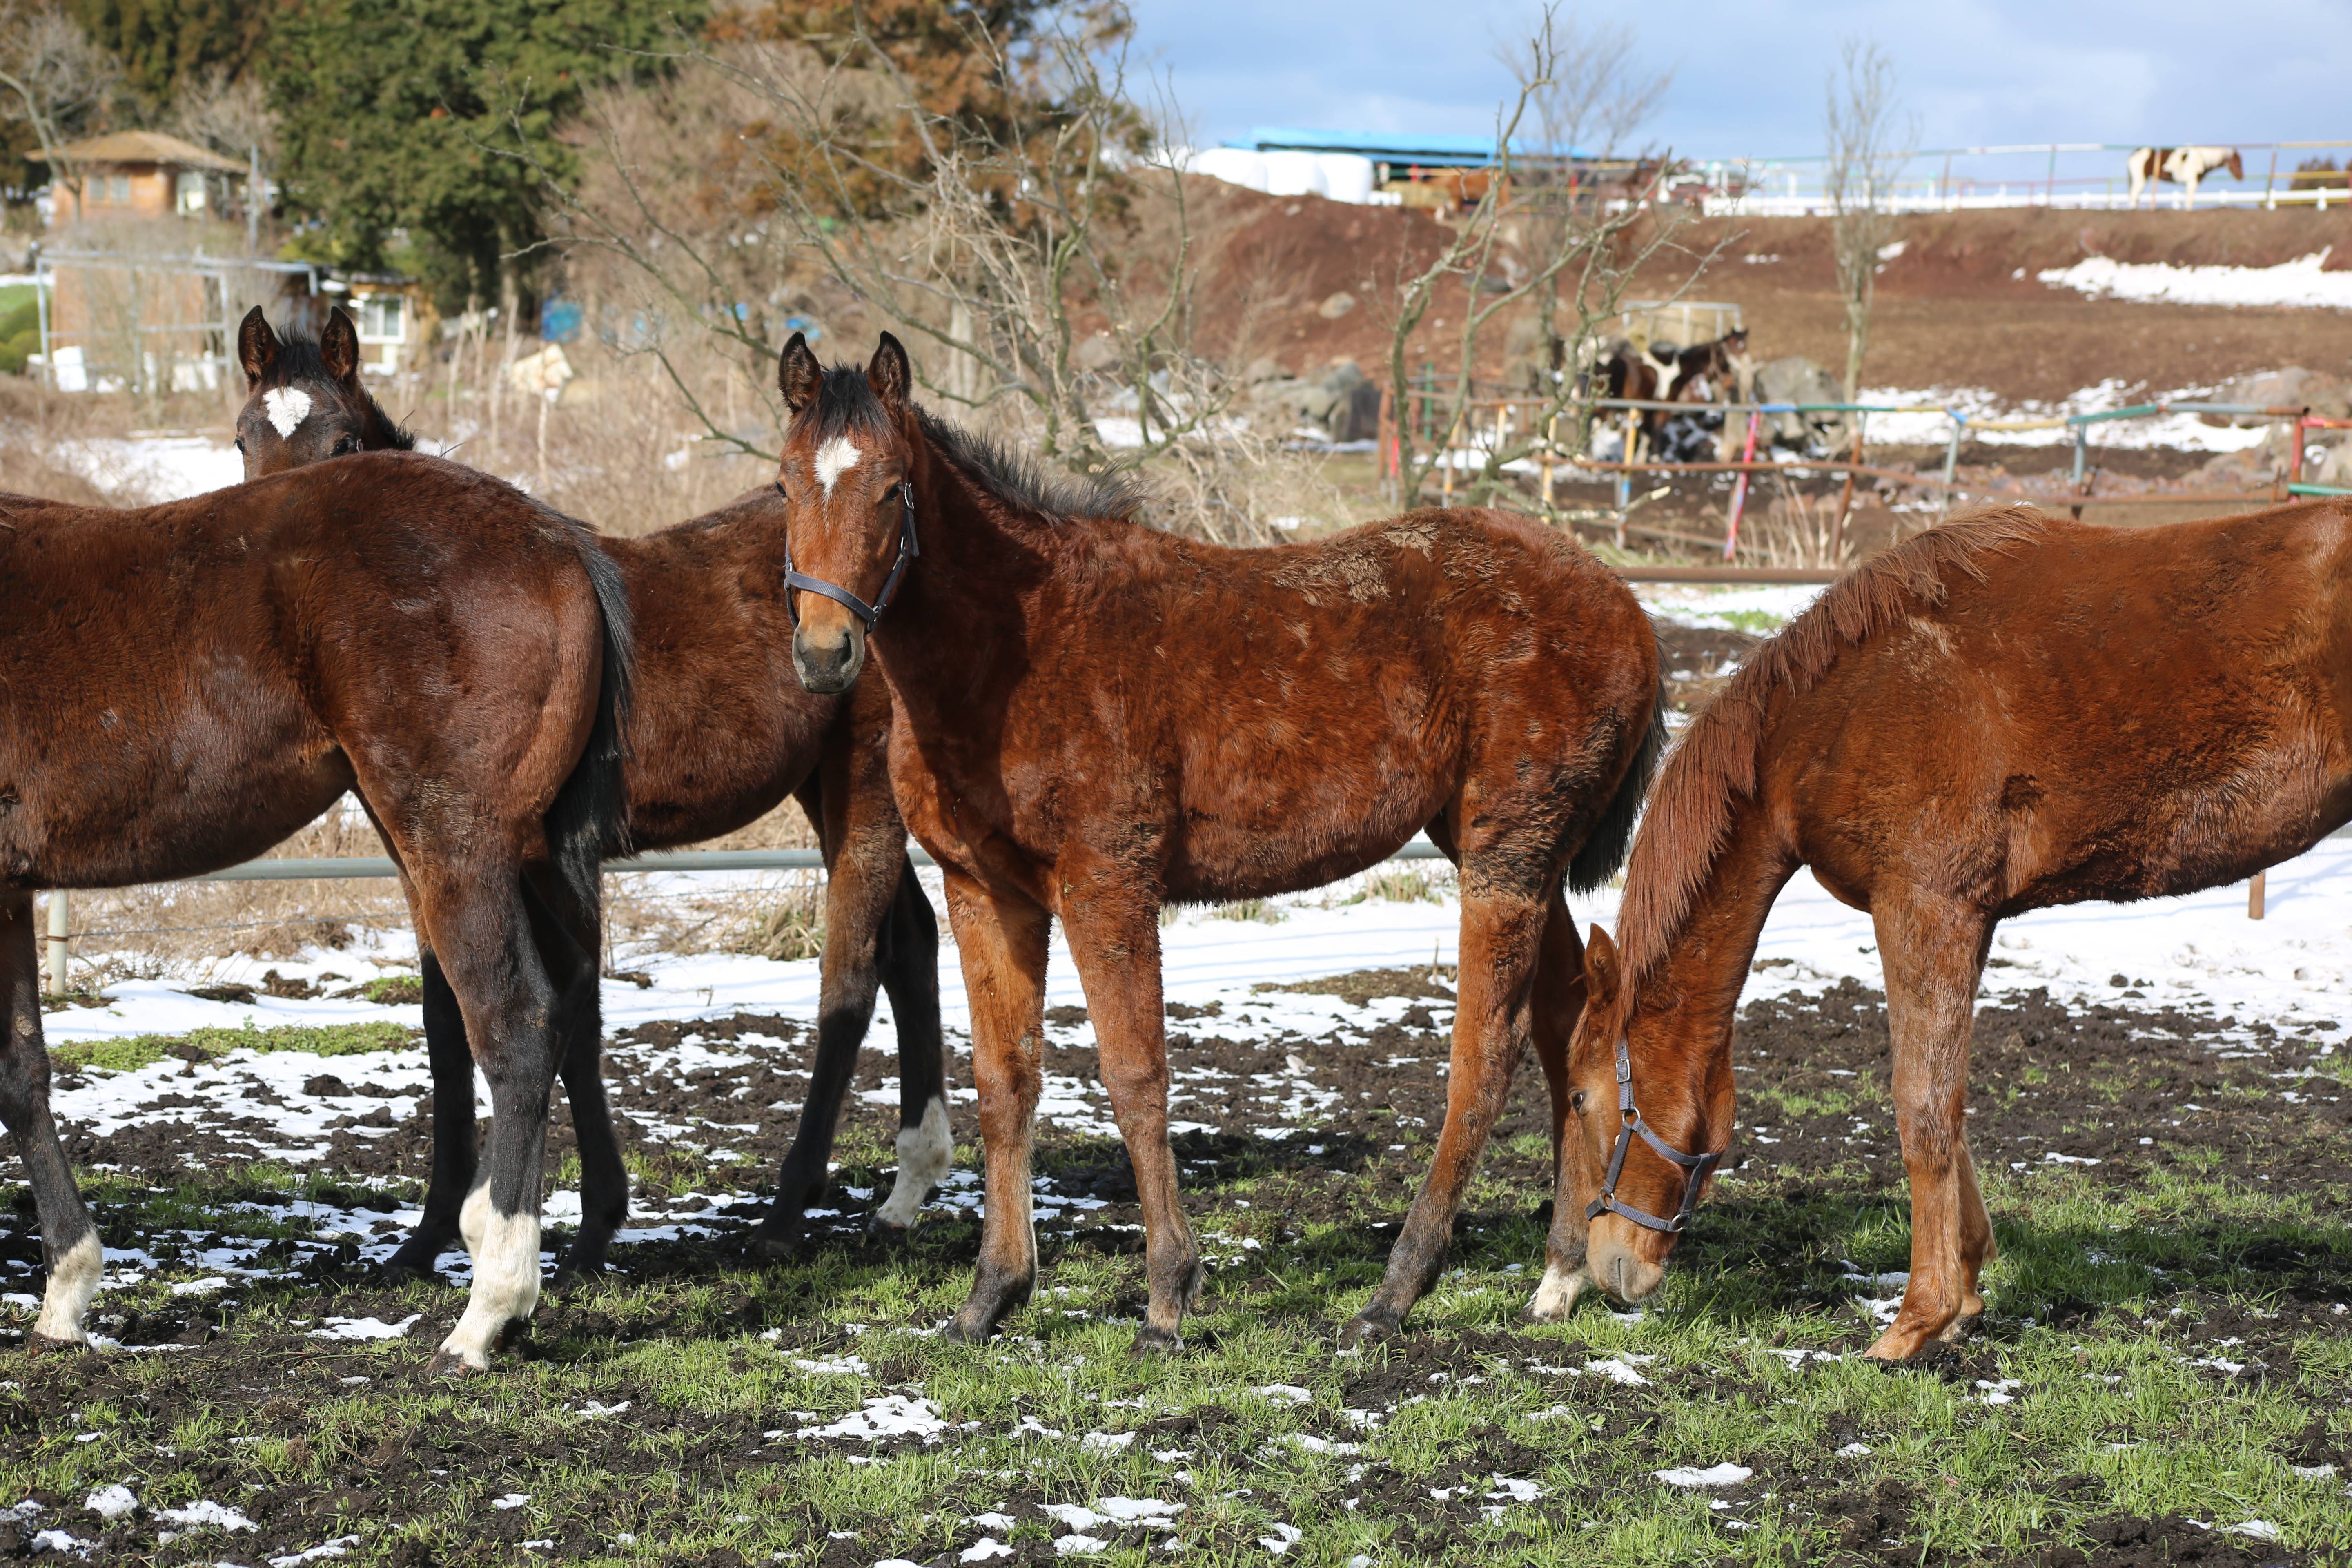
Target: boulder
column 1795, row 379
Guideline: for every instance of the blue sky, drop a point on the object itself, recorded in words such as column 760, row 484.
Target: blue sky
column 1749, row 76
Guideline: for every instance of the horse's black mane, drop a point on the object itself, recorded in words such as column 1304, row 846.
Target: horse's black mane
column 847, row 403
column 299, row 360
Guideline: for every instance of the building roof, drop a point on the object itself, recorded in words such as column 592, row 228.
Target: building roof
column 1388, row 146
column 145, row 147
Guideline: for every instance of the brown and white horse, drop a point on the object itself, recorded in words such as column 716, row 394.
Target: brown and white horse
column 2183, row 166
column 2009, row 712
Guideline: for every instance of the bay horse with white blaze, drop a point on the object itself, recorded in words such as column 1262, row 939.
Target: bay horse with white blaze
column 719, row 734
column 188, row 684
column 2005, row 714
column 1093, row 719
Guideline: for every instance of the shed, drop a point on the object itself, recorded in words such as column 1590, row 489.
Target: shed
column 132, row 174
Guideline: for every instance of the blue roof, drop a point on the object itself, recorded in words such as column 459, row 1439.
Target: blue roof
column 1393, row 146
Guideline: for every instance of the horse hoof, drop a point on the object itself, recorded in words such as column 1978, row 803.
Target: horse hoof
column 1151, row 1341
column 37, row 1343
column 574, row 1272
column 771, row 1246
column 404, row 1267
column 448, row 1363
column 963, row 1331
column 885, row 1232
column 1370, row 1326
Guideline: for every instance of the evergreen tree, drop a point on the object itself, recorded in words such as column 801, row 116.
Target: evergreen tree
column 164, row 42
column 437, row 117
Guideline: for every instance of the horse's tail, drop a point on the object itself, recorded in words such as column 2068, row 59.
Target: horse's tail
column 1604, row 848
column 589, row 818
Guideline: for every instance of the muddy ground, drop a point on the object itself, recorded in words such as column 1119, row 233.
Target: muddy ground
column 1327, row 1131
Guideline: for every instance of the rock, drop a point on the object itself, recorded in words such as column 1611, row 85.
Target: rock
column 1099, row 352
column 2292, row 387
column 1337, row 306
column 1795, row 379
column 1264, row 368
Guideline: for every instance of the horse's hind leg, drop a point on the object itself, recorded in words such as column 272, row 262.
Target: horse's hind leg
column 1559, row 1005
column 1933, row 948
column 910, row 972
column 570, row 941
column 482, row 927
column 1502, row 932
column 69, row 1243
column 454, row 1134
column 859, row 879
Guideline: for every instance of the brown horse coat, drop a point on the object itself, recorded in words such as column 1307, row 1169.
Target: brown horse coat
column 188, row 684
column 2007, row 712
column 1093, row 719
column 719, row 734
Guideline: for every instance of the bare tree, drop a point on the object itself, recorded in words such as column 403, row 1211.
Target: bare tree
column 1870, row 138
column 231, row 115
column 54, row 77
column 1583, row 254
column 1586, row 95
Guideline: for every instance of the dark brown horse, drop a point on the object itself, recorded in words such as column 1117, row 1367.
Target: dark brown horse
column 719, row 734
column 1094, row 718
column 2007, row 712
column 188, row 684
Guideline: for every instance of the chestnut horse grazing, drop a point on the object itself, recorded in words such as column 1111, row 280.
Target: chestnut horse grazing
column 2007, row 712
column 1093, row 719
column 720, row 732
column 188, row 684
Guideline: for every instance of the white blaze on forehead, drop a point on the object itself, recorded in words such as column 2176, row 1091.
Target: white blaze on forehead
column 286, row 407
column 835, row 458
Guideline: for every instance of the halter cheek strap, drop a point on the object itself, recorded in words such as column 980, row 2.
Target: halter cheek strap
column 1694, row 1167
column 909, row 547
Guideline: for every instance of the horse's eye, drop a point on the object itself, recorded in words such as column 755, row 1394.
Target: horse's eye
column 240, row 446
column 345, row 445
column 1576, row 1102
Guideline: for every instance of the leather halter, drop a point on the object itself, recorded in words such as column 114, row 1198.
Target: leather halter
column 909, row 548
column 1630, row 1123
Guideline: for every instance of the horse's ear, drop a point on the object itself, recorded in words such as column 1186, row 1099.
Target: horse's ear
column 889, row 375
column 798, row 375
column 339, row 346
column 256, row 347
column 1603, row 972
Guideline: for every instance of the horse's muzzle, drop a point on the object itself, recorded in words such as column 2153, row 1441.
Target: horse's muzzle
column 830, row 666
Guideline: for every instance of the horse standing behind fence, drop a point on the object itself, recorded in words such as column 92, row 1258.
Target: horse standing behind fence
column 2183, row 166
column 2005, row 714
column 719, row 734
column 1095, row 720
column 189, row 683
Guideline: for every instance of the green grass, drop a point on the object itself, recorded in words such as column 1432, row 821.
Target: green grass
column 129, row 1053
column 2103, row 1300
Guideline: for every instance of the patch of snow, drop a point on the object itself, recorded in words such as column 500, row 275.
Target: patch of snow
column 206, row 1514
column 1723, row 1475
column 2299, row 283
column 890, row 1415
column 365, row 1328
column 110, row 1503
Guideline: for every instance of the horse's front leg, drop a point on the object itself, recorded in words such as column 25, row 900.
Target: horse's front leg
column 1001, row 939
column 1112, row 915
column 1933, row 948
column 69, row 1243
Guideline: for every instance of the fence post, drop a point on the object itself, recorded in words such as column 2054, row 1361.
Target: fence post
column 1951, row 460
column 2254, row 896
column 2082, row 465
column 1740, row 489
column 60, row 935
column 1845, row 497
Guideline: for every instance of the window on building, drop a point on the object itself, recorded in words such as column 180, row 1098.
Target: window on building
column 191, row 191
column 118, row 190
column 382, row 320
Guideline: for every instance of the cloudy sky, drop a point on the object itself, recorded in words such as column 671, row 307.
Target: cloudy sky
column 1749, row 76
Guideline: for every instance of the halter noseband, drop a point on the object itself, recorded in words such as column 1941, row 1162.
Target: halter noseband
column 1695, row 1166
column 909, row 548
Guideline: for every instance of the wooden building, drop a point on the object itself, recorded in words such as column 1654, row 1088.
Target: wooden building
column 136, row 174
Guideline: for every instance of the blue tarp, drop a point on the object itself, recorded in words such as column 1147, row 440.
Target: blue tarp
column 1389, row 146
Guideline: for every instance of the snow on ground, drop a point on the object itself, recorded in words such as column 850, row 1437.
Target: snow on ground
column 1758, row 610
column 2298, row 283
column 2176, row 431
column 145, row 469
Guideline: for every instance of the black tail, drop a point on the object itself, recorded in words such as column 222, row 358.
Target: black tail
column 589, row 818
column 1604, row 848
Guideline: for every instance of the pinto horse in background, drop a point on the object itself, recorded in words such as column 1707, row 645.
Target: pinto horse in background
column 2005, row 714
column 1094, row 719
column 722, row 732
column 2183, row 166
column 189, row 683
column 1710, row 372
